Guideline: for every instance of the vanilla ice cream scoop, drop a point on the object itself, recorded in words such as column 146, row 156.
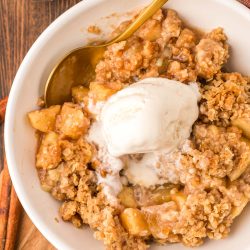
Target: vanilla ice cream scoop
column 150, row 115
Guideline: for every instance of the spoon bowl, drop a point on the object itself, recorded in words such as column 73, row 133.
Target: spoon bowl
column 77, row 68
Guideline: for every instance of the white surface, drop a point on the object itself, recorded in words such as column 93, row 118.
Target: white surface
column 150, row 115
column 65, row 34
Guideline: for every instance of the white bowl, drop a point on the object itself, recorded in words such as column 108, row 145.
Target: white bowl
column 66, row 33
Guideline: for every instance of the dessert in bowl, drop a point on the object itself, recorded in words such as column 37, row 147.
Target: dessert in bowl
column 157, row 148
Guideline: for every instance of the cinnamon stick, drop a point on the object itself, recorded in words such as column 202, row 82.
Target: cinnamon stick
column 3, row 104
column 5, row 189
column 10, row 207
column 15, row 209
column 10, row 210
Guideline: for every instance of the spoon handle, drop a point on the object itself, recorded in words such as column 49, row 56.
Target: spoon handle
column 141, row 19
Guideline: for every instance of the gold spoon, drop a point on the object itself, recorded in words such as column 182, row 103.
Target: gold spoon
column 78, row 66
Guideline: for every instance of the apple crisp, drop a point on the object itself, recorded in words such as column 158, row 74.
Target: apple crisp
column 205, row 182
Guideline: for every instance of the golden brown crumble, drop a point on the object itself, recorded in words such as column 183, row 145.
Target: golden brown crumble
column 94, row 30
column 152, row 52
column 211, row 53
column 225, row 147
column 212, row 184
column 225, row 98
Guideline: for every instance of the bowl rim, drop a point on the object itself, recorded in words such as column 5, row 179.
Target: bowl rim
column 16, row 87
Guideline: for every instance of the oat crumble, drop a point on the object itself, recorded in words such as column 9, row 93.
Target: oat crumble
column 94, row 30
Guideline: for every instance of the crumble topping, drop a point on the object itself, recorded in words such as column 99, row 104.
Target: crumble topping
column 94, row 30
column 225, row 98
column 206, row 181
